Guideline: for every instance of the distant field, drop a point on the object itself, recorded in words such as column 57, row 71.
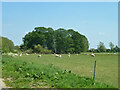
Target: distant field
column 82, row 65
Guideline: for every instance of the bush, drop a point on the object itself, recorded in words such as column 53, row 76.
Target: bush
column 39, row 49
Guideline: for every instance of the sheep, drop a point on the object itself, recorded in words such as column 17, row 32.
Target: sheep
column 27, row 54
column 77, row 54
column 10, row 54
column 15, row 54
column 93, row 55
column 58, row 55
column 21, row 54
column 39, row 55
column 69, row 55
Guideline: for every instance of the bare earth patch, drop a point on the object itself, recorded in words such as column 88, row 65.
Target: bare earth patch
column 2, row 84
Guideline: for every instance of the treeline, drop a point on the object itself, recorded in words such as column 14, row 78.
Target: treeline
column 6, row 45
column 101, row 48
column 46, row 40
column 43, row 39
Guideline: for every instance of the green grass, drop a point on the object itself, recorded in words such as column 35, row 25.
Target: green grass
column 0, row 66
column 82, row 65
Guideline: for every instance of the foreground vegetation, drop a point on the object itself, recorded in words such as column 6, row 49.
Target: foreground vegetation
column 31, row 71
column 82, row 65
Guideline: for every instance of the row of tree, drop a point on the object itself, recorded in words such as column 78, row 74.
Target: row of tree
column 101, row 48
column 58, row 41
column 47, row 40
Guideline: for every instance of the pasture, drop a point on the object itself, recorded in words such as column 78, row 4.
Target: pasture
column 82, row 65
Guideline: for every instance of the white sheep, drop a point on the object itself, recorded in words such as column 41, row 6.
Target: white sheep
column 10, row 54
column 21, row 54
column 58, row 55
column 15, row 54
column 68, row 55
column 39, row 55
column 27, row 54
column 93, row 55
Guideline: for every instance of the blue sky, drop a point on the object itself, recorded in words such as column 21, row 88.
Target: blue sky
column 98, row 21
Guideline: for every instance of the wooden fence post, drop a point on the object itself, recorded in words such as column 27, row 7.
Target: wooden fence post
column 94, row 71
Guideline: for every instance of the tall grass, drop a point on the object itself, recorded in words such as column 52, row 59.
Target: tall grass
column 83, row 65
column 19, row 73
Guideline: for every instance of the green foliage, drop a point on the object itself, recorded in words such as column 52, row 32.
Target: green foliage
column 17, row 48
column 23, row 47
column 59, row 41
column 101, row 47
column 6, row 45
column 39, row 49
column 21, row 74
column 29, row 51
column 111, row 46
column 116, row 49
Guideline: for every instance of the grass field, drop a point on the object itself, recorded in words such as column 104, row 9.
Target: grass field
column 82, row 65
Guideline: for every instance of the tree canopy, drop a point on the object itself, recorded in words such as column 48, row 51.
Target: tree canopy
column 59, row 41
column 101, row 47
column 6, row 45
column 111, row 46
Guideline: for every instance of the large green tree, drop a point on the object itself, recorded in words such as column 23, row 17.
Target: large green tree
column 59, row 41
column 40, row 35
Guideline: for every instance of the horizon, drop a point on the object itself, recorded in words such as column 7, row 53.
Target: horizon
column 98, row 21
